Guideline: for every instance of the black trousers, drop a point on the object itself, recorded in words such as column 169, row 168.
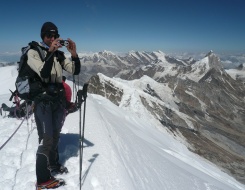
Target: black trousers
column 49, row 120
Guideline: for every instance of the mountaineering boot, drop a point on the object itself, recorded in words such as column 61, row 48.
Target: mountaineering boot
column 53, row 183
column 58, row 169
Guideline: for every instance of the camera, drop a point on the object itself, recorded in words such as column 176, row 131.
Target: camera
column 64, row 42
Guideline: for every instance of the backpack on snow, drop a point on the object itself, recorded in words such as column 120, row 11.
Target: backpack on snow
column 25, row 109
column 28, row 83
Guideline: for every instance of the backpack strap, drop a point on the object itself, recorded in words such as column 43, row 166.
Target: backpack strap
column 34, row 45
column 41, row 53
column 60, row 56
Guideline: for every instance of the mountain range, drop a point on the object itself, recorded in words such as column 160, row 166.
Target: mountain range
column 125, row 148
column 198, row 101
column 194, row 99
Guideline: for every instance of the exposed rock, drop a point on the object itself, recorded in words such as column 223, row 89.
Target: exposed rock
column 200, row 100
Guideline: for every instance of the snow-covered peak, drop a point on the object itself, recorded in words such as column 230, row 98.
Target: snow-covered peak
column 159, row 55
column 106, row 53
column 209, row 53
column 241, row 67
column 135, row 54
column 201, row 67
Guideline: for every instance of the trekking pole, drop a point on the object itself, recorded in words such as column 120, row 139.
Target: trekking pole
column 78, row 80
column 73, row 86
column 82, row 95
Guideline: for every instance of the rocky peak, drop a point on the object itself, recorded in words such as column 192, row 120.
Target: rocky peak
column 241, row 67
column 209, row 53
column 210, row 114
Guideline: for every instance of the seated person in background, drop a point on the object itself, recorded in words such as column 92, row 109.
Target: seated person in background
column 25, row 109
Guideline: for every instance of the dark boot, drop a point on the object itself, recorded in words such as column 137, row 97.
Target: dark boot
column 53, row 183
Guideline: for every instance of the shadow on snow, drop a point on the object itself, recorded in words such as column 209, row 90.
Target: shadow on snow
column 69, row 146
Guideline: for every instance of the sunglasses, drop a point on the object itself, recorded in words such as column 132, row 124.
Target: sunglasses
column 51, row 35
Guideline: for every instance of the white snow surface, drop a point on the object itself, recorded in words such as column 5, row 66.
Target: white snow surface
column 121, row 152
column 234, row 73
column 199, row 69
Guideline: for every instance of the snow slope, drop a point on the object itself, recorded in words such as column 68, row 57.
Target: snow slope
column 121, row 152
column 235, row 73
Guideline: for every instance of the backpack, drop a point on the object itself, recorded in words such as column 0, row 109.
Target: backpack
column 28, row 83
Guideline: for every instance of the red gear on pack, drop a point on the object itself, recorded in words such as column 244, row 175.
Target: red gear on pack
column 67, row 91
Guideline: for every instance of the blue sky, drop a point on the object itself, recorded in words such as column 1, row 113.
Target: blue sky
column 122, row 26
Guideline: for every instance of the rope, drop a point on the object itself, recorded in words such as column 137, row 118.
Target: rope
column 12, row 134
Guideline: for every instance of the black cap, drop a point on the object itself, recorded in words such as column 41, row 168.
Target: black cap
column 64, row 78
column 48, row 27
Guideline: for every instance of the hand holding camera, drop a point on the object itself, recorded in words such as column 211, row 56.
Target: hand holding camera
column 69, row 44
column 55, row 45
column 72, row 48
